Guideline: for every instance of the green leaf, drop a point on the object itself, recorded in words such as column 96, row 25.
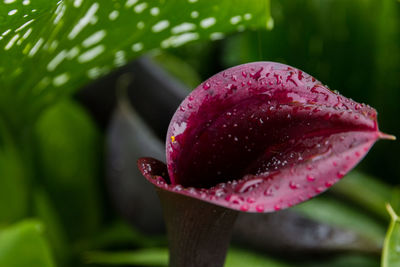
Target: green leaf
column 395, row 202
column 159, row 257
column 13, row 180
column 54, row 232
column 178, row 68
column 23, row 245
column 49, row 49
column 343, row 260
column 142, row 257
column 366, row 191
column 391, row 248
column 334, row 212
column 239, row 258
column 69, row 155
column 120, row 233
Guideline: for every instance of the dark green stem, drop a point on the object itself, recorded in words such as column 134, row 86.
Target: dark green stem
column 198, row 232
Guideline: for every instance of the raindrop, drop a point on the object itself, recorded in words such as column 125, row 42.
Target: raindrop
column 268, row 192
column 250, row 200
column 310, row 178
column 260, row 208
column 206, row 86
column 233, row 199
column 220, row 192
column 244, row 207
column 340, row 175
column 293, row 185
column 277, row 207
column 177, row 188
column 318, row 190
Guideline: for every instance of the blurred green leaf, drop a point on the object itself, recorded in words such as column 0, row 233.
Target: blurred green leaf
column 368, row 192
column 47, row 45
column 23, row 245
column 120, row 234
column 391, row 249
column 178, row 68
column 240, row 258
column 159, row 257
column 335, row 212
column 350, row 260
column 44, row 210
column 395, row 201
column 142, row 257
column 14, row 188
column 69, row 149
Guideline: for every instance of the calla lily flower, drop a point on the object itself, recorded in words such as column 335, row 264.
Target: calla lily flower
column 260, row 137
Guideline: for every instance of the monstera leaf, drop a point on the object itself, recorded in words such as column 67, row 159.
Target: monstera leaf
column 49, row 49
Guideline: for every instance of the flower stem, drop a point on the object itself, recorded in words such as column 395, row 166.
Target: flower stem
column 198, row 232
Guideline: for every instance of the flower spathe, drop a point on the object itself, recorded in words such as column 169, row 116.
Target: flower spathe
column 261, row 137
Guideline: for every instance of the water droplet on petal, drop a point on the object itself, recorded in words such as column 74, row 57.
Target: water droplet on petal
column 293, row 185
column 310, row 178
column 206, row 86
column 250, row 200
column 260, row 208
column 340, row 175
column 319, row 190
column 268, row 192
column 244, row 207
column 177, row 188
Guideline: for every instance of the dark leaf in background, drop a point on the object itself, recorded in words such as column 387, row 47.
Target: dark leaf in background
column 288, row 231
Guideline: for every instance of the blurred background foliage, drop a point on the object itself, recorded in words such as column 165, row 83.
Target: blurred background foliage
column 352, row 46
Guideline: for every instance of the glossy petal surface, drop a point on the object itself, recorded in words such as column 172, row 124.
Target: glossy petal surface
column 263, row 136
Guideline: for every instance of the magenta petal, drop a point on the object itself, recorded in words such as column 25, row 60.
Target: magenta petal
column 260, row 137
